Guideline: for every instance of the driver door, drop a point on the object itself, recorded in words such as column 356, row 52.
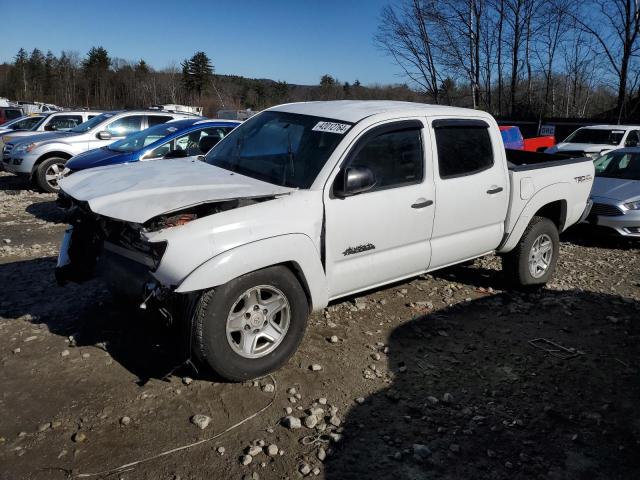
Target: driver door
column 383, row 234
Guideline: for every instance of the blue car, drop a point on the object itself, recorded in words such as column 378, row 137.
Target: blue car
column 174, row 139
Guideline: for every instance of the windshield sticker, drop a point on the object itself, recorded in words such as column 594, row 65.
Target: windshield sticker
column 331, row 127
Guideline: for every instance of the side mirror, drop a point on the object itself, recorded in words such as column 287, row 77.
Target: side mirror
column 104, row 135
column 354, row 180
column 50, row 128
column 176, row 154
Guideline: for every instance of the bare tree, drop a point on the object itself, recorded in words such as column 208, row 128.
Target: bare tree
column 555, row 25
column 616, row 33
column 404, row 34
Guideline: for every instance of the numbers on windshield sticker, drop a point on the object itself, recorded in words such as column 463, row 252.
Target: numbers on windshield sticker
column 331, row 127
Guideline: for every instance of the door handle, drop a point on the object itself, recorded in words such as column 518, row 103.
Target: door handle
column 422, row 203
column 494, row 189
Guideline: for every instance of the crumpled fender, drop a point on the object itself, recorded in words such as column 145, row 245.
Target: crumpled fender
column 296, row 248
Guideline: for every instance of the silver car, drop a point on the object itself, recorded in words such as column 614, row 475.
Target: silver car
column 42, row 157
column 616, row 192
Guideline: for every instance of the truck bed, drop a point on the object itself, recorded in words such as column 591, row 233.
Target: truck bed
column 542, row 178
column 521, row 160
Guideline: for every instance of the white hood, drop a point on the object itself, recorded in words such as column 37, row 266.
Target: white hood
column 140, row 191
column 582, row 147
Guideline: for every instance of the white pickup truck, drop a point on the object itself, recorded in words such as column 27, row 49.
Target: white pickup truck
column 309, row 202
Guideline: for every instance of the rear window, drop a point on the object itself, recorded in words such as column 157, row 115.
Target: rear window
column 463, row 148
column 596, row 136
column 12, row 113
column 157, row 119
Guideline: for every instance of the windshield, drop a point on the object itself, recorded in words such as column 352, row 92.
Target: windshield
column 596, row 136
column 89, row 124
column 623, row 165
column 286, row 149
column 139, row 140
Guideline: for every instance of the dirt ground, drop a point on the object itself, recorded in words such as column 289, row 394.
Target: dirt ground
column 432, row 378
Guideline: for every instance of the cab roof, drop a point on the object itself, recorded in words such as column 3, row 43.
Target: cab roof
column 355, row 110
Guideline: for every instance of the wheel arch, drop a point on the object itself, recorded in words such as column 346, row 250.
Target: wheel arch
column 551, row 203
column 555, row 211
column 293, row 251
column 48, row 155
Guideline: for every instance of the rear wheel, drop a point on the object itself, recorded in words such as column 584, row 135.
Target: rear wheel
column 534, row 259
column 48, row 173
column 251, row 325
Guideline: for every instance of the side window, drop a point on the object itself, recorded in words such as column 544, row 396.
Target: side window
column 190, row 143
column 157, row 119
column 633, row 139
column 12, row 113
column 464, row 148
column 125, row 126
column 64, row 122
column 160, row 151
column 26, row 124
column 395, row 158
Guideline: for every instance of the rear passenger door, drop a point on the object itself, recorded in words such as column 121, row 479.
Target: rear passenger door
column 471, row 186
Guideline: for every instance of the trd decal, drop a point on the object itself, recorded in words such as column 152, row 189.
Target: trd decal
column 359, row 249
column 583, row 178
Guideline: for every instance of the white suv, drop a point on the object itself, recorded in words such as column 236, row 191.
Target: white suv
column 43, row 156
column 596, row 140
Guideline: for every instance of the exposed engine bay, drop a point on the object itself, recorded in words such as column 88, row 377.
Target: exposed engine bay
column 117, row 250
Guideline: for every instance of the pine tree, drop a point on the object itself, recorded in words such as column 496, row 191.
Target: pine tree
column 196, row 74
column 20, row 65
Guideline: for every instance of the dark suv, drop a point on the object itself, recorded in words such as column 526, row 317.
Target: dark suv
column 9, row 113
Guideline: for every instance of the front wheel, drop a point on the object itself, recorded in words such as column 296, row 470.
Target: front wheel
column 251, row 325
column 48, row 173
column 533, row 261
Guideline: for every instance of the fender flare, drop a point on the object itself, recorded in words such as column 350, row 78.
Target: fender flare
column 294, row 249
column 547, row 195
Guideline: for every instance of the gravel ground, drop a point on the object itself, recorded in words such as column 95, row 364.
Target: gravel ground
column 435, row 377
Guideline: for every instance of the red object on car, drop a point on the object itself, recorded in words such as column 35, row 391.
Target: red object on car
column 513, row 139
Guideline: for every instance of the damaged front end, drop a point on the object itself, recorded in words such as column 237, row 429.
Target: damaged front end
column 114, row 250
column 118, row 252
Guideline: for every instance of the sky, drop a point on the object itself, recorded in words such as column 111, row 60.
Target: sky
column 295, row 41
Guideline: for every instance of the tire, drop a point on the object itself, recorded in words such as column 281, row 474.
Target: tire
column 516, row 264
column 47, row 168
column 223, row 309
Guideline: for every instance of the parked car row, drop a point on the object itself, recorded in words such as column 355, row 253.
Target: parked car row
column 43, row 152
column 95, row 138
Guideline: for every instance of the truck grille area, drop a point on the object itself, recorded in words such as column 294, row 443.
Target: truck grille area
column 95, row 238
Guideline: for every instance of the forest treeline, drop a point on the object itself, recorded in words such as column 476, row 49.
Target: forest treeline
column 519, row 58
